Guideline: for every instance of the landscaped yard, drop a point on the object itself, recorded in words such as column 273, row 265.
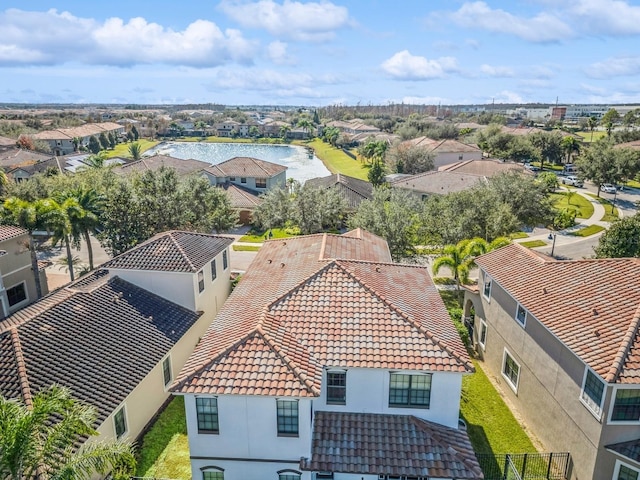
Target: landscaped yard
column 122, row 149
column 597, row 134
column 246, row 248
column 336, row 160
column 533, row 243
column 610, row 211
column 588, row 231
column 576, row 202
column 259, row 237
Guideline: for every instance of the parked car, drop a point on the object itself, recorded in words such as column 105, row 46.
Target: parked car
column 532, row 168
column 608, row 188
column 569, row 169
column 572, row 180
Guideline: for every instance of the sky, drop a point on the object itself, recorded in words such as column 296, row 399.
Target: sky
column 317, row 53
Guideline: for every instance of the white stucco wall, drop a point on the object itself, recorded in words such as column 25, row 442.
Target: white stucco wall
column 250, row 470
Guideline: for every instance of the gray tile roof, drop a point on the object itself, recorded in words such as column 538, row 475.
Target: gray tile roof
column 629, row 449
column 353, row 190
column 173, row 251
column 378, row 444
column 98, row 337
column 155, row 162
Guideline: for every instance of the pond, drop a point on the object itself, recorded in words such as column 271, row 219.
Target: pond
column 300, row 165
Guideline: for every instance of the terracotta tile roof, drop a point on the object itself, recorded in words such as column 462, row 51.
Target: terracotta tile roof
column 486, row 167
column 353, row 190
column 298, row 309
column 240, row 197
column 629, row 449
column 173, row 251
column 378, row 444
column 85, row 130
column 246, row 167
column 75, row 337
column 442, row 146
column 440, row 183
column 9, row 231
column 7, row 142
column 592, row 306
column 634, row 145
column 156, row 162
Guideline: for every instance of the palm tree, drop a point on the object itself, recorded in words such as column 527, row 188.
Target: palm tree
column 31, row 216
column 135, row 151
column 306, row 125
column 284, row 131
column 97, row 160
column 38, row 440
column 76, row 141
column 90, row 203
column 570, row 146
column 592, row 123
column 65, row 215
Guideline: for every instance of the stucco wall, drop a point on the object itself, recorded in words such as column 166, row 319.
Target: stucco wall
column 442, row 159
column 247, row 470
column 15, row 267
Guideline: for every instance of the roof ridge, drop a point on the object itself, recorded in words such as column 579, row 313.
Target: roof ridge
column 623, row 350
column 421, row 328
column 297, row 286
column 22, row 368
column 179, row 247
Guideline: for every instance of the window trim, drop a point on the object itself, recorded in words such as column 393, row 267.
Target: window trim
column 213, row 469
column 123, row 409
column 612, row 403
column 483, row 327
column 26, row 294
column 506, row 353
column 225, row 260
column 261, row 182
column 519, row 307
column 336, row 372
column 289, row 472
column 203, row 431
column 487, row 279
column 297, row 417
column 596, row 414
column 214, row 270
column 200, row 281
column 620, row 463
column 409, row 404
column 243, row 179
column 166, row 383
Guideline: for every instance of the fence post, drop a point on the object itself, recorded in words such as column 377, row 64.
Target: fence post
column 506, row 467
column 549, row 466
column 524, row 466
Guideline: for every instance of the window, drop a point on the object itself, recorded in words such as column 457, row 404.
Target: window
column 120, row 422
column 200, row 281
column 166, row 371
column 511, row 371
column 289, row 475
column 624, row 472
column 521, row 315
column 207, row 413
column 212, row 473
column 336, row 388
column 17, row 294
column 482, row 337
column 214, row 270
column 626, row 407
column 232, row 179
column 243, row 179
column 486, row 291
column 592, row 392
column 409, row 390
column 225, row 262
column 287, row 417
column 261, row 183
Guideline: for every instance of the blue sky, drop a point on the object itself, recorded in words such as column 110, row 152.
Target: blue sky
column 288, row 52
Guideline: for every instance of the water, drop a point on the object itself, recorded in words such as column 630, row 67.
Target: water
column 300, row 166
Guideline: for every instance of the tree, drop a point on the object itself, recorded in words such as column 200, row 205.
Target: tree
column 254, row 131
column 592, row 123
column 104, row 141
column 305, row 124
column 409, row 159
column 76, row 141
column 39, row 439
column 601, row 163
column 621, row 239
column 25, row 142
column 274, row 210
column 135, row 151
column 570, row 146
column 94, row 145
column 376, row 172
column 549, row 146
column 458, row 258
column 391, row 214
column 284, row 131
column 130, row 137
column 330, row 135
column 609, row 119
column 548, row 180
column 113, row 141
column 374, row 150
column 135, row 133
column 315, row 209
column 63, row 221
column 97, row 160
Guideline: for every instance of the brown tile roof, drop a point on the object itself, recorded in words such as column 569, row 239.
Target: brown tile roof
column 442, row 146
column 75, row 337
column 592, row 306
column 629, row 449
column 85, row 130
column 353, row 190
column 18, row 157
column 378, row 444
column 155, row 162
column 240, row 197
column 173, row 251
column 486, row 167
column 246, row 167
column 299, row 308
column 634, row 145
column 439, row 183
column 7, row 142
column 9, row 231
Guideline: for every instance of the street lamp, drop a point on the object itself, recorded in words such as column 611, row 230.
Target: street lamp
column 553, row 245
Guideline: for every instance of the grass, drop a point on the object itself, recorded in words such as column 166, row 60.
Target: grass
column 258, row 237
column 533, row 243
column 633, row 184
column 516, row 235
column 122, row 149
column 597, row 134
column 581, row 205
column 491, row 426
column 164, row 450
column 610, row 211
column 246, row 248
column 588, row 231
column 336, row 160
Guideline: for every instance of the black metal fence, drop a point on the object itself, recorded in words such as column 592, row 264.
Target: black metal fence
column 525, row 466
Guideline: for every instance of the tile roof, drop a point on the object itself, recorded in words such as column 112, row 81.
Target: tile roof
column 485, row 167
column 629, row 449
column 246, row 167
column 592, row 306
column 442, row 146
column 9, row 231
column 85, row 130
column 353, row 190
column 173, row 251
column 240, row 197
column 299, row 308
column 76, row 337
column 156, row 162
column 440, row 183
column 17, row 157
column 634, row 145
column 379, row 444
column 7, row 142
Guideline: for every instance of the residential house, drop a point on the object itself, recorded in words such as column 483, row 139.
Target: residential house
column 328, row 361
column 352, row 190
column 563, row 340
column 436, row 182
column 353, row 127
column 61, row 140
column 7, row 143
column 634, row 145
column 273, row 128
column 487, row 167
column 17, row 281
column 228, row 128
column 156, row 162
column 20, row 164
column 446, row 151
column 118, row 336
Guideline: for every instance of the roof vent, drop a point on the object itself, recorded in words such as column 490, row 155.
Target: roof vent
column 116, row 299
column 269, row 261
column 544, row 290
column 282, row 265
column 150, row 318
column 596, row 333
column 378, row 269
column 284, row 243
column 594, row 311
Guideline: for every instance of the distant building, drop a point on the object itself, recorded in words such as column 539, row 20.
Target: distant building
column 446, row 151
column 61, row 140
column 352, row 190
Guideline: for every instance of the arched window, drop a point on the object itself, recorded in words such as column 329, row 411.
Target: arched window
column 212, row 473
column 289, row 475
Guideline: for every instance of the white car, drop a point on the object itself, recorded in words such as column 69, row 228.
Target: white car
column 608, row 188
column 572, row 180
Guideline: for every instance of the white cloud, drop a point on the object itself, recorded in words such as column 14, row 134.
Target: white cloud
column 278, row 54
column 614, row 67
column 612, row 17
column 48, row 38
column 543, row 27
column 312, row 21
column 404, row 66
column 496, row 71
column 507, row 96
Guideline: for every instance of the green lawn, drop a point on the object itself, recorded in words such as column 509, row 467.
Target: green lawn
column 246, row 248
column 259, row 237
column 122, row 149
column 336, row 160
column 164, row 450
column 610, row 212
column 597, row 134
column 533, row 243
column 588, row 231
column 633, row 184
column 516, row 235
column 578, row 203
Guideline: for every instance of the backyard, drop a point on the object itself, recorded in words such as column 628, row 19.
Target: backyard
column 122, row 149
column 336, row 160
